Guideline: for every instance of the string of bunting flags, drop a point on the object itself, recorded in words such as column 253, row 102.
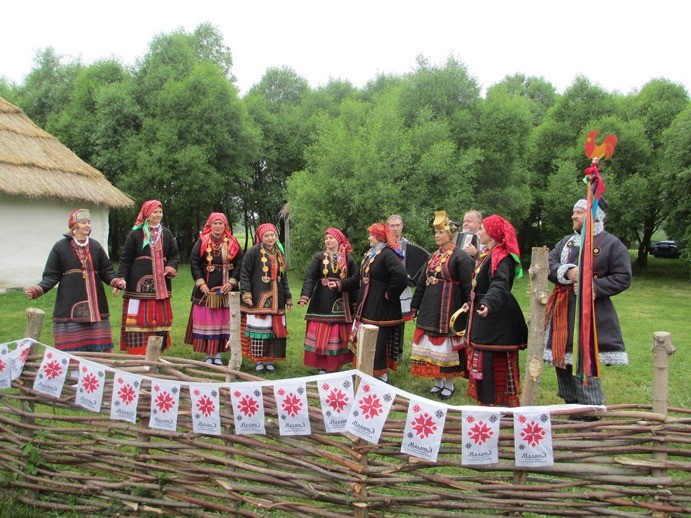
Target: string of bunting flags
column 362, row 413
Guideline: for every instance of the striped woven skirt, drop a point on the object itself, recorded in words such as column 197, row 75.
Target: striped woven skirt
column 326, row 345
column 208, row 329
column 142, row 319
column 83, row 336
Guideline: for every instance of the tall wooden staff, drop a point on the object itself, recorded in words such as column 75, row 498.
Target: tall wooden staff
column 587, row 352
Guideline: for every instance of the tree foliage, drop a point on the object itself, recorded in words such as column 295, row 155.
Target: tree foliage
column 173, row 127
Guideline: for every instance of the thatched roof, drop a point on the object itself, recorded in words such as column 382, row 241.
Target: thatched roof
column 34, row 164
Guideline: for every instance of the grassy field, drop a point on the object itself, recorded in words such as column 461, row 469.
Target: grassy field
column 658, row 301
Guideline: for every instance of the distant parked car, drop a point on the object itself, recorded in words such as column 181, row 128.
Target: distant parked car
column 665, row 249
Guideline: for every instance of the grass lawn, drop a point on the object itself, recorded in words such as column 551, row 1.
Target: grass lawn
column 658, row 301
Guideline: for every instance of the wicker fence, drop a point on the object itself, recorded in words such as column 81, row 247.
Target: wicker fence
column 60, row 457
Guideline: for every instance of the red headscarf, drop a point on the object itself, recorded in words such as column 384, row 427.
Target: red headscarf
column 344, row 244
column 504, row 234
column 147, row 208
column 343, row 247
column 384, row 235
column 232, row 245
column 263, row 229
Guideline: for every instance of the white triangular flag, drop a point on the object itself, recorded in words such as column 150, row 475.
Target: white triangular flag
column 336, row 396
column 206, row 414
column 92, row 378
column 248, row 408
column 370, row 410
column 123, row 404
column 5, row 380
column 51, row 375
column 165, row 400
column 533, row 438
column 424, row 427
column 480, row 437
column 17, row 358
column 292, row 407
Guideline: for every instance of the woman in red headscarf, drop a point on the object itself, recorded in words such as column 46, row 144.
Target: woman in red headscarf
column 148, row 262
column 265, row 299
column 329, row 314
column 381, row 279
column 79, row 266
column 496, row 326
column 215, row 263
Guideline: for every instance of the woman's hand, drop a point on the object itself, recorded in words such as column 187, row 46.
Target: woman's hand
column 247, row 299
column 204, row 289
column 289, row 305
column 483, row 311
column 170, row 272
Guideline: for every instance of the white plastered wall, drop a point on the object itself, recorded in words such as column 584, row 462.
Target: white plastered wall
column 30, row 228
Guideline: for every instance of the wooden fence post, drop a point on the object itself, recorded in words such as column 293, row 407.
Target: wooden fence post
column 662, row 349
column 153, row 354
column 367, row 345
column 34, row 324
column 234, row 343
column 539, row 295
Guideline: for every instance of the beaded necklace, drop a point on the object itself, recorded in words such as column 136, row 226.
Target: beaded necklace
column 82, row 252
column 277, row 265
column 214, row 250
column 369, row 259
column 435, row 264
column 330, row 262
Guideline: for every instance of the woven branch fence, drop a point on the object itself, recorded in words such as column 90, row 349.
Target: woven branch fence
column 61, row 457
column 57, row 456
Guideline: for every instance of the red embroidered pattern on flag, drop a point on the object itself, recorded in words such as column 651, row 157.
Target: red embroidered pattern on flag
column 52, row 370
column 126, row 394
column 424, row 426
column 292, row 405
column 206, row 405
column 370, row 406
column 248, row 406
column 533, row 433
column 480, row 433
column 90, row 383
column 337, row 399
column 164, row 401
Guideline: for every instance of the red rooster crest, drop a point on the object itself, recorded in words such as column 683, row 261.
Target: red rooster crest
column 604, row 150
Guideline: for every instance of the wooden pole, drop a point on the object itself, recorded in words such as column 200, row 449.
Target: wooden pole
column 153, row 352
column 367, row 345
column 662, row 349
column 34, row 324
column 539, row 294
column 234, row 343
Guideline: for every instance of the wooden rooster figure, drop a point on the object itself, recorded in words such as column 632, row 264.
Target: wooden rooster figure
column 604, row 150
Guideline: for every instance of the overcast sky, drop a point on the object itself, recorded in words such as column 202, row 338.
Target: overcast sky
column 618, row 44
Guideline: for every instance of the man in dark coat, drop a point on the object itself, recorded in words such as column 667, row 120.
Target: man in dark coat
column 611, row 275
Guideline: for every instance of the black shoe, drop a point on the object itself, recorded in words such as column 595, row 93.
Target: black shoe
column 446, row 393
column 435, row 390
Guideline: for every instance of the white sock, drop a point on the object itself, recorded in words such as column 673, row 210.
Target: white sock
column 438, row 382
column 384, row 377
column 448, row 383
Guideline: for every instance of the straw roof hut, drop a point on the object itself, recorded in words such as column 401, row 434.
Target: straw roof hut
column 41, row 182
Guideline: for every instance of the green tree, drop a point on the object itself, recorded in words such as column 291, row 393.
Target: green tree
column 195, row 151
column 275, row 105
column 656, row 106
column 541, row 93
column 47, row 88
column 676, row 166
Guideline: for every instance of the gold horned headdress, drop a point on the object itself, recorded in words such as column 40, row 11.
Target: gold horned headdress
column 442, row 222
